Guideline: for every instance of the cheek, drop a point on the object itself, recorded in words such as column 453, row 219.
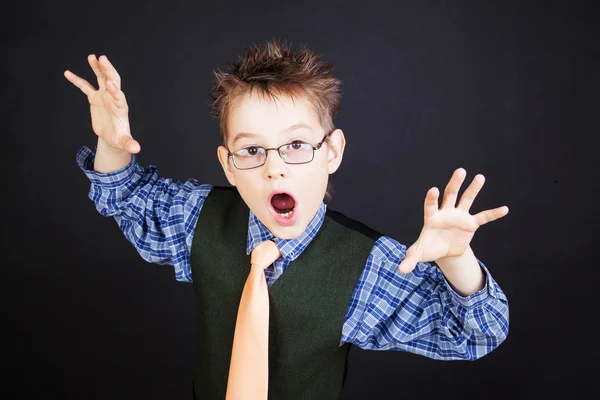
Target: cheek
column 249, row 179
column 315, row 178
column 244, row 182
column 246, row 185
column 324, row 158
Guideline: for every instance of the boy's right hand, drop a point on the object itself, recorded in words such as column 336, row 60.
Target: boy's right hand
column 108, row 106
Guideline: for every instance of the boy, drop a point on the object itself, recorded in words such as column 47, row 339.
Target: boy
column 337, row 282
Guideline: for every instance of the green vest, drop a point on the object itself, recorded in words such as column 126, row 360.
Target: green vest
column 308, row 302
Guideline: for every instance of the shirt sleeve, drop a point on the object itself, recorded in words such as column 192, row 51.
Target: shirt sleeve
column 157, row 215
column 420, row 312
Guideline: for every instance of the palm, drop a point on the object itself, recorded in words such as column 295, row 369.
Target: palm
column 446, row 234
column 108, row 105
column 448, row 231
column 108, row 120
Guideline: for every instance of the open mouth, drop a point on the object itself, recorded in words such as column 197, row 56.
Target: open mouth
column 283, row 208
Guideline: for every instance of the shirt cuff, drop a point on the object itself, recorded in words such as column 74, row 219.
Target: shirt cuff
column 490, row 289
column 85, row 161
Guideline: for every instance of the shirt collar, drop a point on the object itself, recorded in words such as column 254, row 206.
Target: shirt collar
column 289, row 248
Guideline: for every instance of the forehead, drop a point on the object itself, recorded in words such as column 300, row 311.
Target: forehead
column 269, row 117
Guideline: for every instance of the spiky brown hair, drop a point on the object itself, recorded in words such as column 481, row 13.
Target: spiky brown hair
column 274, row 69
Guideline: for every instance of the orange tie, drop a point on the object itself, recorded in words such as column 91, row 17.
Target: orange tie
column 249, row 368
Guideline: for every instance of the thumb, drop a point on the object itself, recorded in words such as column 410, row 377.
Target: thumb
column 133, row 146
column 129, row 144
column 410, row 261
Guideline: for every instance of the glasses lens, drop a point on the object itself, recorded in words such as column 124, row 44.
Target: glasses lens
column 249, row 157
column 297, row 153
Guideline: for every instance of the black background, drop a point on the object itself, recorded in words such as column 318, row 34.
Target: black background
column 506, row 89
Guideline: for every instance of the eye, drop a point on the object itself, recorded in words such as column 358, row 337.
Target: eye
column 249, row 151
column 297, row 145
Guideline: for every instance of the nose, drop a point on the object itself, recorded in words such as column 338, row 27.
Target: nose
column 274, row 166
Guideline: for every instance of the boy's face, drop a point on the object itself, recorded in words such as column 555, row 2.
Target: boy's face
column 268, row 120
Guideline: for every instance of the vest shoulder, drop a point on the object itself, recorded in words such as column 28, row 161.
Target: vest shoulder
column 352, row 224
column 220, row 196
column 224, row 191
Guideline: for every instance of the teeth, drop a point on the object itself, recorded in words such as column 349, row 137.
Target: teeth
column 287, row 214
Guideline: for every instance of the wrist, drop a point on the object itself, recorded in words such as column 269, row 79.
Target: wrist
column 108, row 159
column 463, row 272
column 452, row 261
column 104, row 147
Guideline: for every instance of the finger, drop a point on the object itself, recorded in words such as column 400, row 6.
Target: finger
column 431, row 202
column 451, row 191
column 471, row 192
column 410, row 261
column 109, row 71
column 81, row 83
column 117, row 94
column 486, row 216
column 97, row 71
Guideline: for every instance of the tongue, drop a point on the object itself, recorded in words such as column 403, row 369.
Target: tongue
column 283, row 202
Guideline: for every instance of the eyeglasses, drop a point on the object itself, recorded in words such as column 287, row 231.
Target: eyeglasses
column 296, row 152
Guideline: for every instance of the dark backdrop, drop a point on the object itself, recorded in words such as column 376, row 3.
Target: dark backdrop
column 506, row 89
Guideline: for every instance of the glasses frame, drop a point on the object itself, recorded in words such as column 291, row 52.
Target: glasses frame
column 315, row 148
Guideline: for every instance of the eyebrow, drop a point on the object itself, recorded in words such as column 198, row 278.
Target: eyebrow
column 300, row 125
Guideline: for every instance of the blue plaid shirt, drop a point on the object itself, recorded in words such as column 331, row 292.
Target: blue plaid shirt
column 418, row 312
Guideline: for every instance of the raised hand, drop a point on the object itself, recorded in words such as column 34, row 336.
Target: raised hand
column 108, row 106
column 448, row 231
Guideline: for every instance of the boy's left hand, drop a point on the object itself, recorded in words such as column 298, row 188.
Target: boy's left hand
column 448, row 231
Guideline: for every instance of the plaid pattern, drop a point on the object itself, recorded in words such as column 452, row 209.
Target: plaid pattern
column 418, row 312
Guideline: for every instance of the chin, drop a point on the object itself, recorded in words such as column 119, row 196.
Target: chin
column 287, row 233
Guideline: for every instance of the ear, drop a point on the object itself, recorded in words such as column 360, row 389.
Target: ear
column 335, row 150
column 222, row 154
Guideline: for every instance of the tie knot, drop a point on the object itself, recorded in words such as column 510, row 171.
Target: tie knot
column 265, row 254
